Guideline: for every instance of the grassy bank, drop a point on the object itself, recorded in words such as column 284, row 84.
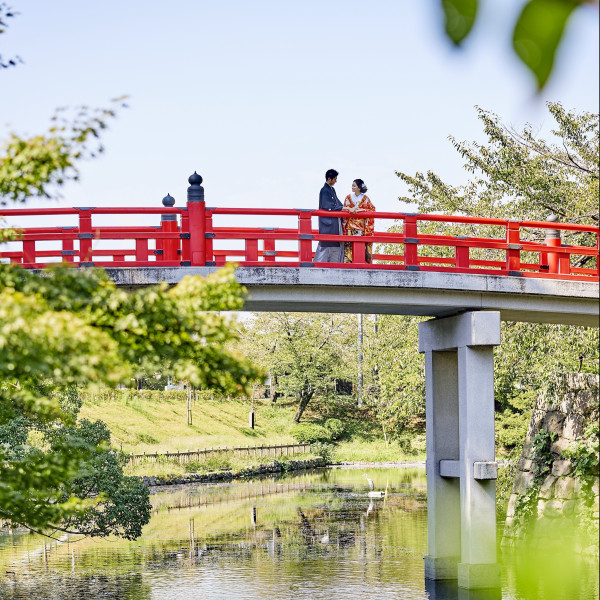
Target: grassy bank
column 155, row 421
column 151, row 421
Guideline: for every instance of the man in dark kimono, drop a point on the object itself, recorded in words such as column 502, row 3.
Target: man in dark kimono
column 328, row 200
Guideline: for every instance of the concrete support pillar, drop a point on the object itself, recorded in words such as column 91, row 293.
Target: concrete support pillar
column 461, row 468
column 443, row 494
column 477, row 496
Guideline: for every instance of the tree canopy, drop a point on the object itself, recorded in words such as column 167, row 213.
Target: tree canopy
column 518, row 174
column 70, row 328
column 306, row 352
column 37, row 166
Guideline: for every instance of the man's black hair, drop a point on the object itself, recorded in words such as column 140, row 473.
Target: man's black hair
column 331, row 174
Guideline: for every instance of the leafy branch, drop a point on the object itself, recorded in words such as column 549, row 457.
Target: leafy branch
column 32, row 167
column 7, row 13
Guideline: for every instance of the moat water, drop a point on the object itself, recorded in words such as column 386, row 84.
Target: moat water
column 310, row 536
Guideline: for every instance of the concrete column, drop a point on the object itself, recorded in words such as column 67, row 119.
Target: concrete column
column 459, row 374
column 443, row 494
column 478, row 566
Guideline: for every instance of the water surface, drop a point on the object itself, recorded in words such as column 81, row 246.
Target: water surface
column 311, row 536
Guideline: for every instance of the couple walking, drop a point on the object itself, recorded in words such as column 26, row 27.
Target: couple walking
column 355, row 202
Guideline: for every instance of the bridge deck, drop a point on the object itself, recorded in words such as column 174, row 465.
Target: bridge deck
column 419, row 293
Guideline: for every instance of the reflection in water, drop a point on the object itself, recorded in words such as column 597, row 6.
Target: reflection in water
column 317, row 535
column 71, row 587
column 448, row 590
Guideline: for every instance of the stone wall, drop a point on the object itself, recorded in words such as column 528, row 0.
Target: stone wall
column 547, row 485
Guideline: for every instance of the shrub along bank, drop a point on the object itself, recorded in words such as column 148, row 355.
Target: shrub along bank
column 271, row 468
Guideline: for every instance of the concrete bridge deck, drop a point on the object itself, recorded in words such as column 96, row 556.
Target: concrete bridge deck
column 417, row 293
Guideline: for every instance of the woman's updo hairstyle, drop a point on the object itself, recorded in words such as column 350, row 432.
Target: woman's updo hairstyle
column 361, row 185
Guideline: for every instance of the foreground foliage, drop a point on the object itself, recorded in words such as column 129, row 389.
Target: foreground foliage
column 67, row 328
column 537, row 33
column 71, row 328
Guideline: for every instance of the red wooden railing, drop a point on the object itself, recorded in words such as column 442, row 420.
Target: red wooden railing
column 199, row 238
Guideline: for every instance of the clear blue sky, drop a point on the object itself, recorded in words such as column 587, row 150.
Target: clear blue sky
column 262, row 97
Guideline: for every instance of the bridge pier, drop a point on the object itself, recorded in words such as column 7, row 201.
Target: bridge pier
column 461, row 467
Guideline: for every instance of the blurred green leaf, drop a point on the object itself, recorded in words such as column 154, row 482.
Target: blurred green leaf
column 538, row 33
column 460, row 17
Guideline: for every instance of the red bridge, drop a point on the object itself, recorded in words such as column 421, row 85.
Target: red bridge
column 502, row 270
column 197, row 235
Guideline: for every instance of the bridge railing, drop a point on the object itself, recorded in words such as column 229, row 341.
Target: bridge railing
column 408, row 243
column 43, row 246
column 197, row 235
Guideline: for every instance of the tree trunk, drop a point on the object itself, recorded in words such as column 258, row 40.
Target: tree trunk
column 304, row 400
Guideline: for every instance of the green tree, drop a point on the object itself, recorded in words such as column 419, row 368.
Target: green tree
column 37, row 166
column 518, row 175
column 537, row 33
column 306, row 352
column 394, row 374
column 529, row 359
column 73, row 328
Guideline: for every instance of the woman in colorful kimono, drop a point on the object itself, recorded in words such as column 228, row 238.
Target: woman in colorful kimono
column 357, row 202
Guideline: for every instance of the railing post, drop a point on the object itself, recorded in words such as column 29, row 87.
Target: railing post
column 411, row 255
column 185, row 239
column 359, row 247
column 269, row 252
column 208, row 237
column 197, row 219
column 305, row 237
column 168, row 224
column 552, row 239
column 564, row 263
column 159, row 243
column 513, row 247
column 85, row 237
column 461, row 257
column 29, row 251
column 67, row 252
column 141, row 250
column 251, row 250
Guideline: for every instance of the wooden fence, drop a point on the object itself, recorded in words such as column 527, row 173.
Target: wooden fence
column 187, row 456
